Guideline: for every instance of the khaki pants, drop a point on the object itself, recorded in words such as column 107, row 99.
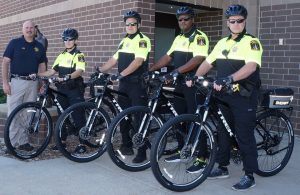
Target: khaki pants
column 21, row 91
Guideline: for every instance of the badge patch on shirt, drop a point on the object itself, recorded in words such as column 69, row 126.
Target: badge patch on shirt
column 201, row 41
column 143, row 44
column 254, row 45
column 36, row 49
column 234, row 49
column 81, row 58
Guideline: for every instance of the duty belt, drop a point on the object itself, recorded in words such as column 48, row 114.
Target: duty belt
column 19, row 77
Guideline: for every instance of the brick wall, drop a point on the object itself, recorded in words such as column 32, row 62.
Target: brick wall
column 100, row 28
column 281, row 63
column 13, row 7
column 211, row 24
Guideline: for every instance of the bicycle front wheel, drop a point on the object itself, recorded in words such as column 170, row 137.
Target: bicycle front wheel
column 172, row 171
column 28, row 130
column 82, row 142
column 274, row 136
column 128, row 148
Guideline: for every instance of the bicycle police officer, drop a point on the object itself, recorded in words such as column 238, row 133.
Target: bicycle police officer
column 237, row 59
column 132, row 58
column 188, row 50
column 70, row 65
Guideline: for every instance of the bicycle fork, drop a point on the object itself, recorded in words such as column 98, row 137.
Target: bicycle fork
column 39, row 113
column 195, row 128
column 91, row 120
column 147, row 119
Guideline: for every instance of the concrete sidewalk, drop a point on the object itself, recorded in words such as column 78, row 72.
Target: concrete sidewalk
column 61, row 176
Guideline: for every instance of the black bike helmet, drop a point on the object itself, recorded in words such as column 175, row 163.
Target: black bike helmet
column 236, row 10
column 132, row 14
column 185, row 10
column 69, row 34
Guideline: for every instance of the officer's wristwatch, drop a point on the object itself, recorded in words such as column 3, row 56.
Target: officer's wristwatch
column 67, row 77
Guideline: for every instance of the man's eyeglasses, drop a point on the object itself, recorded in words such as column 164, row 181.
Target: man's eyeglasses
column 184, row 19
column 131, row 24
column 239, row 21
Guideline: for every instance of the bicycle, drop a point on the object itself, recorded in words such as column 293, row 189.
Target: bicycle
column 142, row 123
column 273, row 129
column 34, row 120
column 97, row 115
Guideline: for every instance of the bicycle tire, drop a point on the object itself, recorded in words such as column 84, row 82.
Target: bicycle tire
column 163, row 171
column 275, row 142
column 68, row 137
column 115, row 140
column 40, row 139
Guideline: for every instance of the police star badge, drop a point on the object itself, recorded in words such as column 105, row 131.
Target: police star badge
column 81, row 58
column 201, row 41
column 143, row 44
column 254, row 45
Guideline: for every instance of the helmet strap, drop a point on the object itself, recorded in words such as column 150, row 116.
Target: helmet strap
column 70, row 49
column 238, row 34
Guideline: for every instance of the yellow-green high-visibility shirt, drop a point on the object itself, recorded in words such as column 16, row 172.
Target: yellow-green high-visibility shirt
column 230, row 55
column 186, row 46
column 133, row 46
column 69, row 62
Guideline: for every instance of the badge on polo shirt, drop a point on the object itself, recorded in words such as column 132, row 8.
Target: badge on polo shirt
column 81, row 58
column 201, row 41
column 143, row 44
column 254, row 45
column 36, row 49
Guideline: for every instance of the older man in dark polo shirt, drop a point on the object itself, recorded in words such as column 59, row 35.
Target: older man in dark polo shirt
column 23, row 56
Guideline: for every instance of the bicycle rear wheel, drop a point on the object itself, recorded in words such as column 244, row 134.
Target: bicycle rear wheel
column 123, row 133
column 82, row 143
column 275, row 142
column 28, row 123
column 173, row 175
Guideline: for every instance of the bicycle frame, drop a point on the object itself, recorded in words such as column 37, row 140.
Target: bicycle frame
column 197, row 128
column 105, row 92
column 49, row 92
column 159, row 94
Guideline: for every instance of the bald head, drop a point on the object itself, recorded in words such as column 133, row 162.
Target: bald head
column 28, row 30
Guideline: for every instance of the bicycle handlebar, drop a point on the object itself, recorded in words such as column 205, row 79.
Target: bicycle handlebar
column 209, row 83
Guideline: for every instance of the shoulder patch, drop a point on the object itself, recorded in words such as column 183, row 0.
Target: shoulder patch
column 143, row 44
column 201, row 41
column 81, row 58
column 254, row 45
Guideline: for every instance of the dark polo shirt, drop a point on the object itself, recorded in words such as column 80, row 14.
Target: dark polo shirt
column 25, row 57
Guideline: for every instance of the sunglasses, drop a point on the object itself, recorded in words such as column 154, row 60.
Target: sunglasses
column 239, row 21
column 184, row 19
column 131, row 24
column 68, row 39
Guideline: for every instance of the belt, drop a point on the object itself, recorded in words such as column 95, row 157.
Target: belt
column 14, row 76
